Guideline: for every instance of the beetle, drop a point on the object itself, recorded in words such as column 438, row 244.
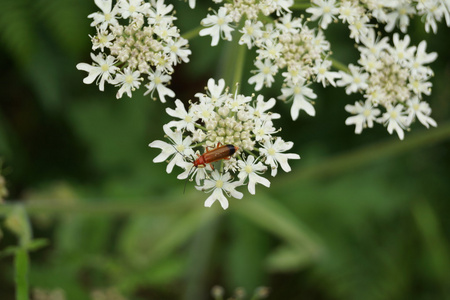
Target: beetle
column 210, row 156
column 218, row 153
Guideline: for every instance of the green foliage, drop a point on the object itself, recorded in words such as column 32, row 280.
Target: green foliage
column 359, row 217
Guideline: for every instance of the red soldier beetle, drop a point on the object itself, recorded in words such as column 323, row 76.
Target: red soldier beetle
column 220, row 152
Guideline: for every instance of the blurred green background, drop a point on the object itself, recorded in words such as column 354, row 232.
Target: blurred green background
column 359, row 217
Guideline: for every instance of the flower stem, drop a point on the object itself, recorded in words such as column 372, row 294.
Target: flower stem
column 301, row 5
column 338, row 65
column 239, row 67
column 192, row 33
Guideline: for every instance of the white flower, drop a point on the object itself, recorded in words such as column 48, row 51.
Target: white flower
column 108, row 15
column 263, row 106
column 263, row 128
column 349, row 11
column 287, row 24
column 218, row 184
column 419, row 85
column 395, row 120
column 177, row 51
column 179, row 149
column 160, row 12
column 325, row 76
column 264, row 76
column 400, row 50
column 102, row 68
column 251, row 32
column 359, row 27
column 128, row 81
column 325, row 11
column 102, row 40
column 282, row 5
column 215, row 91
column 421, row 110
column 133, row 8
column 400, row 15
column 373, row 45
column 270, row 49
column 355, row 81
column 200, row 174
column 165, row 30
column 187, row 119
column 301, row 95
column 250, row 169
column 420, row 59
column 274, row 154
column 218, row 26
column 157, row 82
column 365, row 115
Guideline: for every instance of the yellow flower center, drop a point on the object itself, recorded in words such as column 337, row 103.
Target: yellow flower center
column 248, row 169
column 219, row 184
column 393, row 114
column 129, row 79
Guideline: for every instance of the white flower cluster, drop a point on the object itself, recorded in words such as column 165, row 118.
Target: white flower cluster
column 240, row 123
column 390, row 12
column 135, row 39
column 219, row 24
column 393, row 78
column 284, row 44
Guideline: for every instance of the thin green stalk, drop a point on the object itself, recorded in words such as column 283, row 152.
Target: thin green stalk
column 239, row 66
column 192, row 33
column 21, row 265
column 338, row 65
column 359, row 157
column 299, row 6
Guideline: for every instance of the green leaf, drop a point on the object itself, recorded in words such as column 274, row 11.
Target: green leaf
column 37, row 244
column 270, row 215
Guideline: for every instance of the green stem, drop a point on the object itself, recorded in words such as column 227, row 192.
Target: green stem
column 299, row 6
column 192, row 33
column 200, row 127
column 338, row 65
column 239, row 66
column 21, row 265
column 367, row 154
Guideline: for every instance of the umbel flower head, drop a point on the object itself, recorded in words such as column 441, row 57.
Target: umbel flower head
column 393, row 80
column 221, row 118
column 136, row 42
column 286, row 45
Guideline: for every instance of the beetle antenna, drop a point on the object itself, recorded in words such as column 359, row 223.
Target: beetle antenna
column 186, row 180
column 182, row 154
